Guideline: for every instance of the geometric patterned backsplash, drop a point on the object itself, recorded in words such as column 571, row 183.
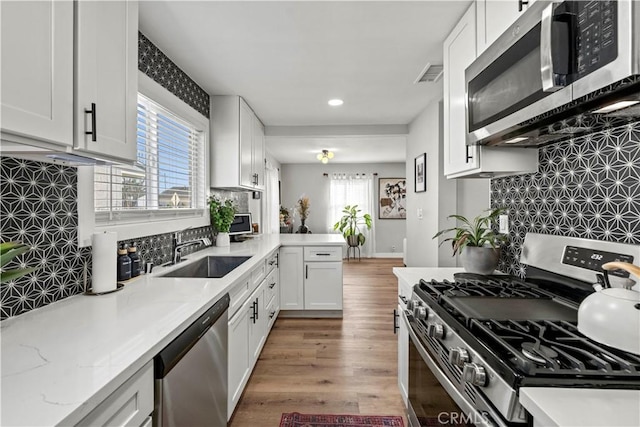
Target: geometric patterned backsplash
column 585, row 187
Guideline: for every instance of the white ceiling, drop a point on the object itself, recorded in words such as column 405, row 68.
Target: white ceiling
column 288, row 58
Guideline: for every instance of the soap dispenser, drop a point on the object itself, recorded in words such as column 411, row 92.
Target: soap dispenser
column 124, row 264
column 135, row 259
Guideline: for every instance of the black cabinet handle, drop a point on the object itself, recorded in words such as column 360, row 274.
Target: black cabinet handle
column 521, row 4
column 254, row 316
column 469, row 156
column 93, row 132
column 273, row 313
column 395, row 323
column 306, row 271
column 271, row 285
column 403, row 298
column 277, row 259
column 257, row 308
column 323, row 254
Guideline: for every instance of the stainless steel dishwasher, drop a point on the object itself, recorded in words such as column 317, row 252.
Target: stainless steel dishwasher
column 191, row 373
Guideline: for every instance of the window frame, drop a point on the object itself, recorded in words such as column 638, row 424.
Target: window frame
column 152, row 221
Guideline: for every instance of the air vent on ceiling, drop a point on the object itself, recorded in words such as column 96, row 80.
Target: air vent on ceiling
column 430, row 73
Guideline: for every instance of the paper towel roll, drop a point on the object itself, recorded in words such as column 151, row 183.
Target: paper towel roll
column 104, row 255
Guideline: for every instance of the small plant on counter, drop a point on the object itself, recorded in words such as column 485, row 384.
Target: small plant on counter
column 349, row 224
column 8, row 251
column 477, row 232
column 222, row 213
column 303, row 207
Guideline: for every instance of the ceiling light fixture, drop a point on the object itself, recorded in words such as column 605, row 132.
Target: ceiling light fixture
column 325, row 156
column 615, row 106
column 336, row 102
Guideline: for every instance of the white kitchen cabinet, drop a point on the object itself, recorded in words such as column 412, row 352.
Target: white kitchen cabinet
column 239, row 367
column 403, row 356
column 257, row 324
column 323, row 285
column 460, row 159
column 130, row 405
column 237, row 146
column 106, row 78
column 291, row 278
column 493, row 18
column 37, row 70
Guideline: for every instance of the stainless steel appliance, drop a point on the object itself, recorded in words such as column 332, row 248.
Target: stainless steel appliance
column 550, row 76
column 191, row 373
column 484, row 337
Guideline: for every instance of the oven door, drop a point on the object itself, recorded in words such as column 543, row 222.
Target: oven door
column 516, row 79
column 432, row 395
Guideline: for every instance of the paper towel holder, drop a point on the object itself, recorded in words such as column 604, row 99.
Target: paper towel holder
column 87, row 291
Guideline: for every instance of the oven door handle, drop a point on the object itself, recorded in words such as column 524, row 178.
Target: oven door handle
column 449, row 387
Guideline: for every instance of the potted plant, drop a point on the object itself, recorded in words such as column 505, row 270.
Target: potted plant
column 8, row 251
column 221, row 213
column 477, row 243
column 349, row 225
column 302, row 207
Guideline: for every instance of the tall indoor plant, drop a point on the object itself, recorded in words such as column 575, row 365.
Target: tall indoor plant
column 475, row 240
column 221, row 213
column 349, row 225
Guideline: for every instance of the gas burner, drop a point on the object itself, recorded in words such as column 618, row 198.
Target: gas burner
column 538, row 353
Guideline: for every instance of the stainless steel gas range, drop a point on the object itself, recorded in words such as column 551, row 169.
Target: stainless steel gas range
column 484, row 337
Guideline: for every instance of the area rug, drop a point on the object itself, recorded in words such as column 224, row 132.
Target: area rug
column 295, row 419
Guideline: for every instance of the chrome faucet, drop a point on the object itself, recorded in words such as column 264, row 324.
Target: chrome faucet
column 178, row 244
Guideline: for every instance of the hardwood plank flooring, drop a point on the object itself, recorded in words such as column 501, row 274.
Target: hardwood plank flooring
column 333, row 366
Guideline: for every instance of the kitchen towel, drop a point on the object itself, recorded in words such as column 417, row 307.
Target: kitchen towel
column 104, row 254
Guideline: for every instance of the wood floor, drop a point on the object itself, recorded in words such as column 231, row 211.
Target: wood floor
column 338, row 366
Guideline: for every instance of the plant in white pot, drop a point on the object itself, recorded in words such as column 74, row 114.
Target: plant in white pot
column 477, row 243
column 221, row 213
column 349, row 225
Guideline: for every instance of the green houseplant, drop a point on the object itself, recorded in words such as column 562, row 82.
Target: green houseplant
column 8, row 251
column 221, row 213
column 475, row 241
column 349, row 225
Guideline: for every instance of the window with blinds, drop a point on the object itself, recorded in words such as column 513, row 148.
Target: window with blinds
column 169, row 177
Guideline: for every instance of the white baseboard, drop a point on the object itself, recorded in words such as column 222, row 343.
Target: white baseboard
column 388, row 255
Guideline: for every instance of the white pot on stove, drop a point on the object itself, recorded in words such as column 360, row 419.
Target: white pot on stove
column 612, row 316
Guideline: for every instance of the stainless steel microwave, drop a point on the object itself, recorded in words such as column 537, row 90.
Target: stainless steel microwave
column 561, row 70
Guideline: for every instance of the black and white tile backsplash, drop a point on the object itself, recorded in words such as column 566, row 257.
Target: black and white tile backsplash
column 163, row 71
column 585, row 187
column 38, row 207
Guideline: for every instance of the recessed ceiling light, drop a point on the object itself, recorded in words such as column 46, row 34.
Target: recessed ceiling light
column 516, row 140
column 336, row 102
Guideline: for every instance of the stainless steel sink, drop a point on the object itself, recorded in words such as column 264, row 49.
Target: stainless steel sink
column 211, row 267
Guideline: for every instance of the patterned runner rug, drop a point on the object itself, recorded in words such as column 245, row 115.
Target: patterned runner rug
column 295, row 419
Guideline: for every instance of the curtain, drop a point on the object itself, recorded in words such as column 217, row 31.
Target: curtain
column 354, row 189
column 272, row 202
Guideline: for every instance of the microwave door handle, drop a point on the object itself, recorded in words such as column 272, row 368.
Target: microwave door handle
column 549, row 83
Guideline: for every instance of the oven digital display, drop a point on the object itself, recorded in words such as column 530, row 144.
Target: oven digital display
column 591, row 259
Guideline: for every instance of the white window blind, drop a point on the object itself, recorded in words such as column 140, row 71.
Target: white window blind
column 169, row 179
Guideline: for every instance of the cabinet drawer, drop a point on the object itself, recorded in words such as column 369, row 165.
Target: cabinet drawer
column 272, row 288
column 130, row 405
column 238, row 294
column 258, row 274
column 271, row 261
column 272, row 313
column 323, row 253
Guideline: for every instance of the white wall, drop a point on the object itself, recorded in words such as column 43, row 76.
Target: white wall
column 308, row 179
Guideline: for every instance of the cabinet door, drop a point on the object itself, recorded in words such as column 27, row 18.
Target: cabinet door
column 257, row 325
column 37, row 69
column 291, row 278
column 459, row 52
column 323, row 286
column 107, row 76
column 258, row 153
column 246, row 145
column 493, row 18
column 238, row 353
column 403, row 356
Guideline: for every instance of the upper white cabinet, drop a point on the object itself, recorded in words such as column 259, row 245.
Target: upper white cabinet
column 37, row 69
column 237, row 146
column 460, row 159
column 69, row 76
column 494, row 17
column 106, row 78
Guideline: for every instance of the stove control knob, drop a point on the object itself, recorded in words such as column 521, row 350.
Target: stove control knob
column 420, row 313
column 458, row 356
column 411, row 304
column 436, row 330
column 474, row 374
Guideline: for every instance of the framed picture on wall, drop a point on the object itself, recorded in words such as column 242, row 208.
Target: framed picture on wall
column 392, row 198
column 420, row 171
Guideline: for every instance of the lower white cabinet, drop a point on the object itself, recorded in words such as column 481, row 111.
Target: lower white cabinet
column 238, row 355
column 130, row 405
column 257, row 324
column 323, row 285
column 291, row 278
column 403, row 356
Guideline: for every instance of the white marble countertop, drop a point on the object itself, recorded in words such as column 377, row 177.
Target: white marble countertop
column 581, row 407
column 61, row 360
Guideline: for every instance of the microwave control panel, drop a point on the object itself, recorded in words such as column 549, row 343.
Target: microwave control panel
column 597, row 34
column 591, row 259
